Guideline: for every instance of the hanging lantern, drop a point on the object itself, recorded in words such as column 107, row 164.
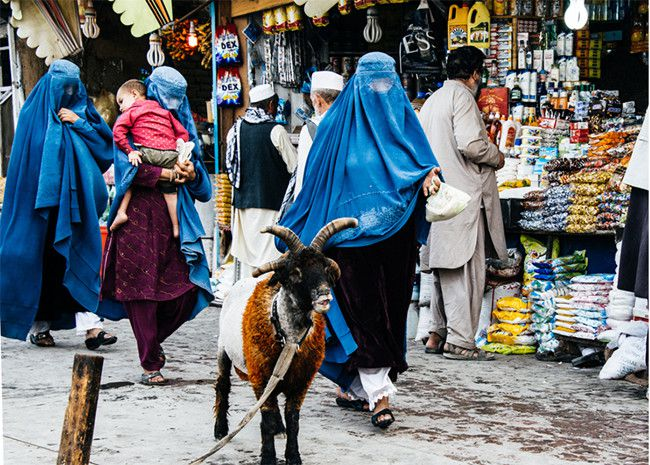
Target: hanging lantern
column 372, row 32
column 155, row 55
column 90, row 27
column 192, row 39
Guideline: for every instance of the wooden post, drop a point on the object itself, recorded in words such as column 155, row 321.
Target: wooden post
column 79, row 422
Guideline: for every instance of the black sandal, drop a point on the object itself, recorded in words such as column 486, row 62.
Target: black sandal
column 357, row 405
column 383, row 424
column 43, row 339
column 93, row 343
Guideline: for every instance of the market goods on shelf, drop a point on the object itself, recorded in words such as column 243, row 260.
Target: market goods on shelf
column 223, row 201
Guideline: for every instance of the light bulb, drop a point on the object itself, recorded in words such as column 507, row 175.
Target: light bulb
column 192, row 39
column 155, row 55
column 372, row 32
column 576, row 15
column 89, row 26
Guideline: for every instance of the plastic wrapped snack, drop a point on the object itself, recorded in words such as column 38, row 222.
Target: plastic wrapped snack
column 599, row 278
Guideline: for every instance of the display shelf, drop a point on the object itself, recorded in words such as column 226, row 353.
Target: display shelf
column 559, row 233
column 579, row 341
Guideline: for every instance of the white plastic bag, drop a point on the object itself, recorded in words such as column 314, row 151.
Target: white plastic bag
column 446, row 203
column 628, row 358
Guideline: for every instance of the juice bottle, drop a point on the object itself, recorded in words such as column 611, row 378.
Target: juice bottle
column 457, row 26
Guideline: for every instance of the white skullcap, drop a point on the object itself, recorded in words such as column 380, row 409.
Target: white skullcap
column 326, row 80
column 260, row 93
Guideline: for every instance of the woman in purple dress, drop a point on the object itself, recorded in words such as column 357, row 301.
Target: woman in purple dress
column 158, row 282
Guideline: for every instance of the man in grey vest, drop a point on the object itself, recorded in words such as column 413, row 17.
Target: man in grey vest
column 259, row 160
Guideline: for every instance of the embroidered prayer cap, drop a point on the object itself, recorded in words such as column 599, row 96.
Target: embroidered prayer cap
column 261, row 93
column 326, row 80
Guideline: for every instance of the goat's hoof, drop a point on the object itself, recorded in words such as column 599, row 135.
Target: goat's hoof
column 293, row 461
column 268, row 461
column 220, row 432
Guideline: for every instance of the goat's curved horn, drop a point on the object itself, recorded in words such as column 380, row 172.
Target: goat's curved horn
column 330, row 229
column 270, row 266
column 287, row 236
column 335, row 268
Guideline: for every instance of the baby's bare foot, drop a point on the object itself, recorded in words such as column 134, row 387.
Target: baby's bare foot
column 119, row 220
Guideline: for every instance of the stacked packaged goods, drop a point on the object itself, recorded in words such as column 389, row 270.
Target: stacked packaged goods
column 512, row 325
column 583, row 314
column 223, row 201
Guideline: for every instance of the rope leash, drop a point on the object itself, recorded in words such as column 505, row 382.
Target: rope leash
column 281, row 367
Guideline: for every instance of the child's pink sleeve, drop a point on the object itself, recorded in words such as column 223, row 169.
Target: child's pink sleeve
column 121, row 132
column 179, row 130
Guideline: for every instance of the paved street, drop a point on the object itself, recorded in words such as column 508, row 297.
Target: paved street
column 515, row 410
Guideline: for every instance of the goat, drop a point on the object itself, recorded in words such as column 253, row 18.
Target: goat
column 287, row 307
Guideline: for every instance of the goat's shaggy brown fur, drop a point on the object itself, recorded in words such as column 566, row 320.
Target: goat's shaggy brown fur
column 261, row 349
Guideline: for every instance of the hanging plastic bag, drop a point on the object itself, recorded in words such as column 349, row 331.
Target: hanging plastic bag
column 268, row 22
column 229, row 88
column 227, row 45
column 446, row 203
column 280, row 15
column 294, row 18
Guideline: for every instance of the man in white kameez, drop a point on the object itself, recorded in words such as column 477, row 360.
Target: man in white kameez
column 325, row 88
column 259, row 160
column 457, row 248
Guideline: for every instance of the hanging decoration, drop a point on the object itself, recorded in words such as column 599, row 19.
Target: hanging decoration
column 144, row 16
column 89, row 26
column 372, row 32
column 177, row 41
column 155, row 55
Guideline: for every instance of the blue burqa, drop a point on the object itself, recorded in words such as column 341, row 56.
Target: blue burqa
column 167, row 86
column 53, row 165
column 368, row 161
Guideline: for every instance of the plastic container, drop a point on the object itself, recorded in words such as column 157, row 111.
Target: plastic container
column 508, row 135
column 457, row 26
column 478, row 26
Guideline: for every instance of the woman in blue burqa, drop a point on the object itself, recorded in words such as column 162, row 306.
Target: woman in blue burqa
column 156, row 281
column 370, row 159
column 50, row 243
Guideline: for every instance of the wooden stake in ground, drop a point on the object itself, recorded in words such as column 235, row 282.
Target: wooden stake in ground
column 79, row 422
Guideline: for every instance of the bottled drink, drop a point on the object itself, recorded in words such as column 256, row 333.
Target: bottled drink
column 516, row 93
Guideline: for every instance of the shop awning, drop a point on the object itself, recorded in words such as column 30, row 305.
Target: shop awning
column 51, row 27
column 144, row 16
column 244, row 7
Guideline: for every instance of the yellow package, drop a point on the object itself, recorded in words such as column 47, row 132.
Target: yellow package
column 504, row 338
column 511, row 317
column 513, row 329
column 511, row 304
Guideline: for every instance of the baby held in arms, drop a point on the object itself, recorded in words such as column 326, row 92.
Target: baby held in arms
column 159, row 140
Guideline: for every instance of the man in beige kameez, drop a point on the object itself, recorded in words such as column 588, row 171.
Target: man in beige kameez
column 457, row 248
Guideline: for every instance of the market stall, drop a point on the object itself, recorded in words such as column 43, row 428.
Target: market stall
column 551, row 103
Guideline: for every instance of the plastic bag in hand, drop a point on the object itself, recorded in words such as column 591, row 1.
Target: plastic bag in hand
column 446, row 203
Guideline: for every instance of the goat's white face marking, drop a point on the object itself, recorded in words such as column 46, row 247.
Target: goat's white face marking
column 322, row 303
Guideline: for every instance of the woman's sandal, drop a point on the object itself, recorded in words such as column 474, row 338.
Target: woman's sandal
column 93, row 343
column 147, row 377
column 383, row 424
column 357, row 405
column 454, row 352
column 43, row 339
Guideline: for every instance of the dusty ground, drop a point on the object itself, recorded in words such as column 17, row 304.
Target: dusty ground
column 515, row 410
